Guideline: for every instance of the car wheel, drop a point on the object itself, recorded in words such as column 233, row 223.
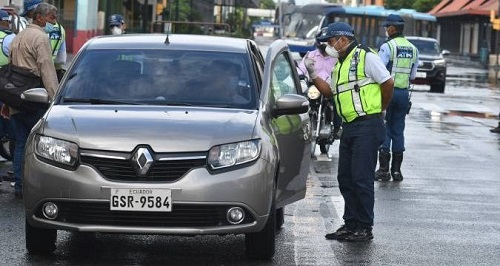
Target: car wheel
column 438, row 87
column 261, row 245
column 280, row 218
column 40, row 240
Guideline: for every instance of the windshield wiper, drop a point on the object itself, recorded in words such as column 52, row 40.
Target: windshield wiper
column 169, row 103
column 95, row 101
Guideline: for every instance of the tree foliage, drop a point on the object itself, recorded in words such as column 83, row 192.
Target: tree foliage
column 419, row 5
column 267, row 4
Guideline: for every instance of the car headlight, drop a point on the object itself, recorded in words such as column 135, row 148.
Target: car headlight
column 56, row 150
column 313, row 93
column 227, row 155
column 440, row 62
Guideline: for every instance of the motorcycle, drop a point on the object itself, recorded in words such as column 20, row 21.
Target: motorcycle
column 321, row 116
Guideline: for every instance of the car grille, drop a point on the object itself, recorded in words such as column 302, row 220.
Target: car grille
column 122, row 169
column 426, row 66
column 182, row 215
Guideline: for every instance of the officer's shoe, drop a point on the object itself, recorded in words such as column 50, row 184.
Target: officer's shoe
column 360, row 235
column 382, row 175
column 341, row 233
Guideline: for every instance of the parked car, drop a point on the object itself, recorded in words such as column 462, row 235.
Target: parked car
column 432, row 65
column 144, row 138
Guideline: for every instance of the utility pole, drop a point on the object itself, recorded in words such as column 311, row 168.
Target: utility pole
column 280, row 35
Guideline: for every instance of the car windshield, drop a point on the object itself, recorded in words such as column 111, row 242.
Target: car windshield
column 426, row 46
column 166, row 77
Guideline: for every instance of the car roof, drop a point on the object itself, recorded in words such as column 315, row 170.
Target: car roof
column 421, row 38
column 175, row 41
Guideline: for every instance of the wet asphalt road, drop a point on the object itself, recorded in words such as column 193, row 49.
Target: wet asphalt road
column 445, row 212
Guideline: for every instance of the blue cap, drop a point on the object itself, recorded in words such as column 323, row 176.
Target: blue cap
column 116, row 20
column 30, row 5
column 334, row 30
column 393, row 20
column 4, row 16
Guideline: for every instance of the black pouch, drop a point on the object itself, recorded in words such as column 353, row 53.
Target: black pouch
column 409, row 107
column 13, row 82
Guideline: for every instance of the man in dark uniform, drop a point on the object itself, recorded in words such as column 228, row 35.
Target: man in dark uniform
column 362, row 89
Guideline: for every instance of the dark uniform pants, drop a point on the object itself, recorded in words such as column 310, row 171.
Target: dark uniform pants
column 358, row 148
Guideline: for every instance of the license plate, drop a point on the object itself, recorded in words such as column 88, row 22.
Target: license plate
column 141, row 199
column 421, row 75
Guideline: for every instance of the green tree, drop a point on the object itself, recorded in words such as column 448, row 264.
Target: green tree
column 425, row 5
column 267, row 4
column 396, row 4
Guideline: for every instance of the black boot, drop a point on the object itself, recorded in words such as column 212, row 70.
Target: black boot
column 397, row 159
column 382, row 173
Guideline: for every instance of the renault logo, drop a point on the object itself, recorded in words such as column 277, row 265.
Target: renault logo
column 142, row 161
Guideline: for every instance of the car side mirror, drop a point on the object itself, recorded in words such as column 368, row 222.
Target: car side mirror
column 38, row 95
column 291, row 104
column 445, row 52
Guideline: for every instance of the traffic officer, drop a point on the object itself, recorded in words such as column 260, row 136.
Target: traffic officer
column 117, row 24
column 57, row 38
column 362, row 88
column 401, row 59
column 6, row 37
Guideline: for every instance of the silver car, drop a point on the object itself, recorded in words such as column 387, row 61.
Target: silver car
column 180, row 134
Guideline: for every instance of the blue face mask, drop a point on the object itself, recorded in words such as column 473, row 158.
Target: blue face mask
column 49, row 27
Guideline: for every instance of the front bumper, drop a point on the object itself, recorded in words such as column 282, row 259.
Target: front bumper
column 200, row 200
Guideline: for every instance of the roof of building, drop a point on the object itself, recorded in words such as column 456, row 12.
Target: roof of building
column 448, row 8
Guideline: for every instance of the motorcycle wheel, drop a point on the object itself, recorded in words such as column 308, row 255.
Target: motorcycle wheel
column 7, row 148
column 324, row 148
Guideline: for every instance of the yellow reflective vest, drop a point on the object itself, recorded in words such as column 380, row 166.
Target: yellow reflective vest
column 57, row 37
column 403, row 57
column 355, row 94
column 4, row 59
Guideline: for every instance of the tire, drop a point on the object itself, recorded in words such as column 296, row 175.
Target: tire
column 280, row 218
column 261, row 245
column 7, row 147
column 40, row 240
column 438, row 87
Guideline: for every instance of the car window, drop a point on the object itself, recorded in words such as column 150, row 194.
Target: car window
column 282, row 81
column 426, row 46
column 162, row 78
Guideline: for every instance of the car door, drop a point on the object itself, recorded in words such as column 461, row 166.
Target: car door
column 291, row 133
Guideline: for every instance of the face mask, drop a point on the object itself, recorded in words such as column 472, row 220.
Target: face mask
column 331, row 51
column 116, row 31
column 386, row 34
column 49, row 27
column 30, row 20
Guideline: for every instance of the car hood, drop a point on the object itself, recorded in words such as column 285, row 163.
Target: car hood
column 165, row 129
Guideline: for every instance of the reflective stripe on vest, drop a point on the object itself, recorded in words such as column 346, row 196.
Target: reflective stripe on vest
column 4, row 59
column 57, row 37
column 355, row 93
column 403, row 56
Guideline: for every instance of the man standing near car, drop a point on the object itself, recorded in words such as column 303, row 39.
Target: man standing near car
column 362, row 89
column 400, row 57
column 31, row 50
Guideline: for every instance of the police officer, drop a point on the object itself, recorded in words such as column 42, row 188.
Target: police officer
column 401, row 59
column 6, row 37
column 117, row 24
column 362, row 88
column 57, row 38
